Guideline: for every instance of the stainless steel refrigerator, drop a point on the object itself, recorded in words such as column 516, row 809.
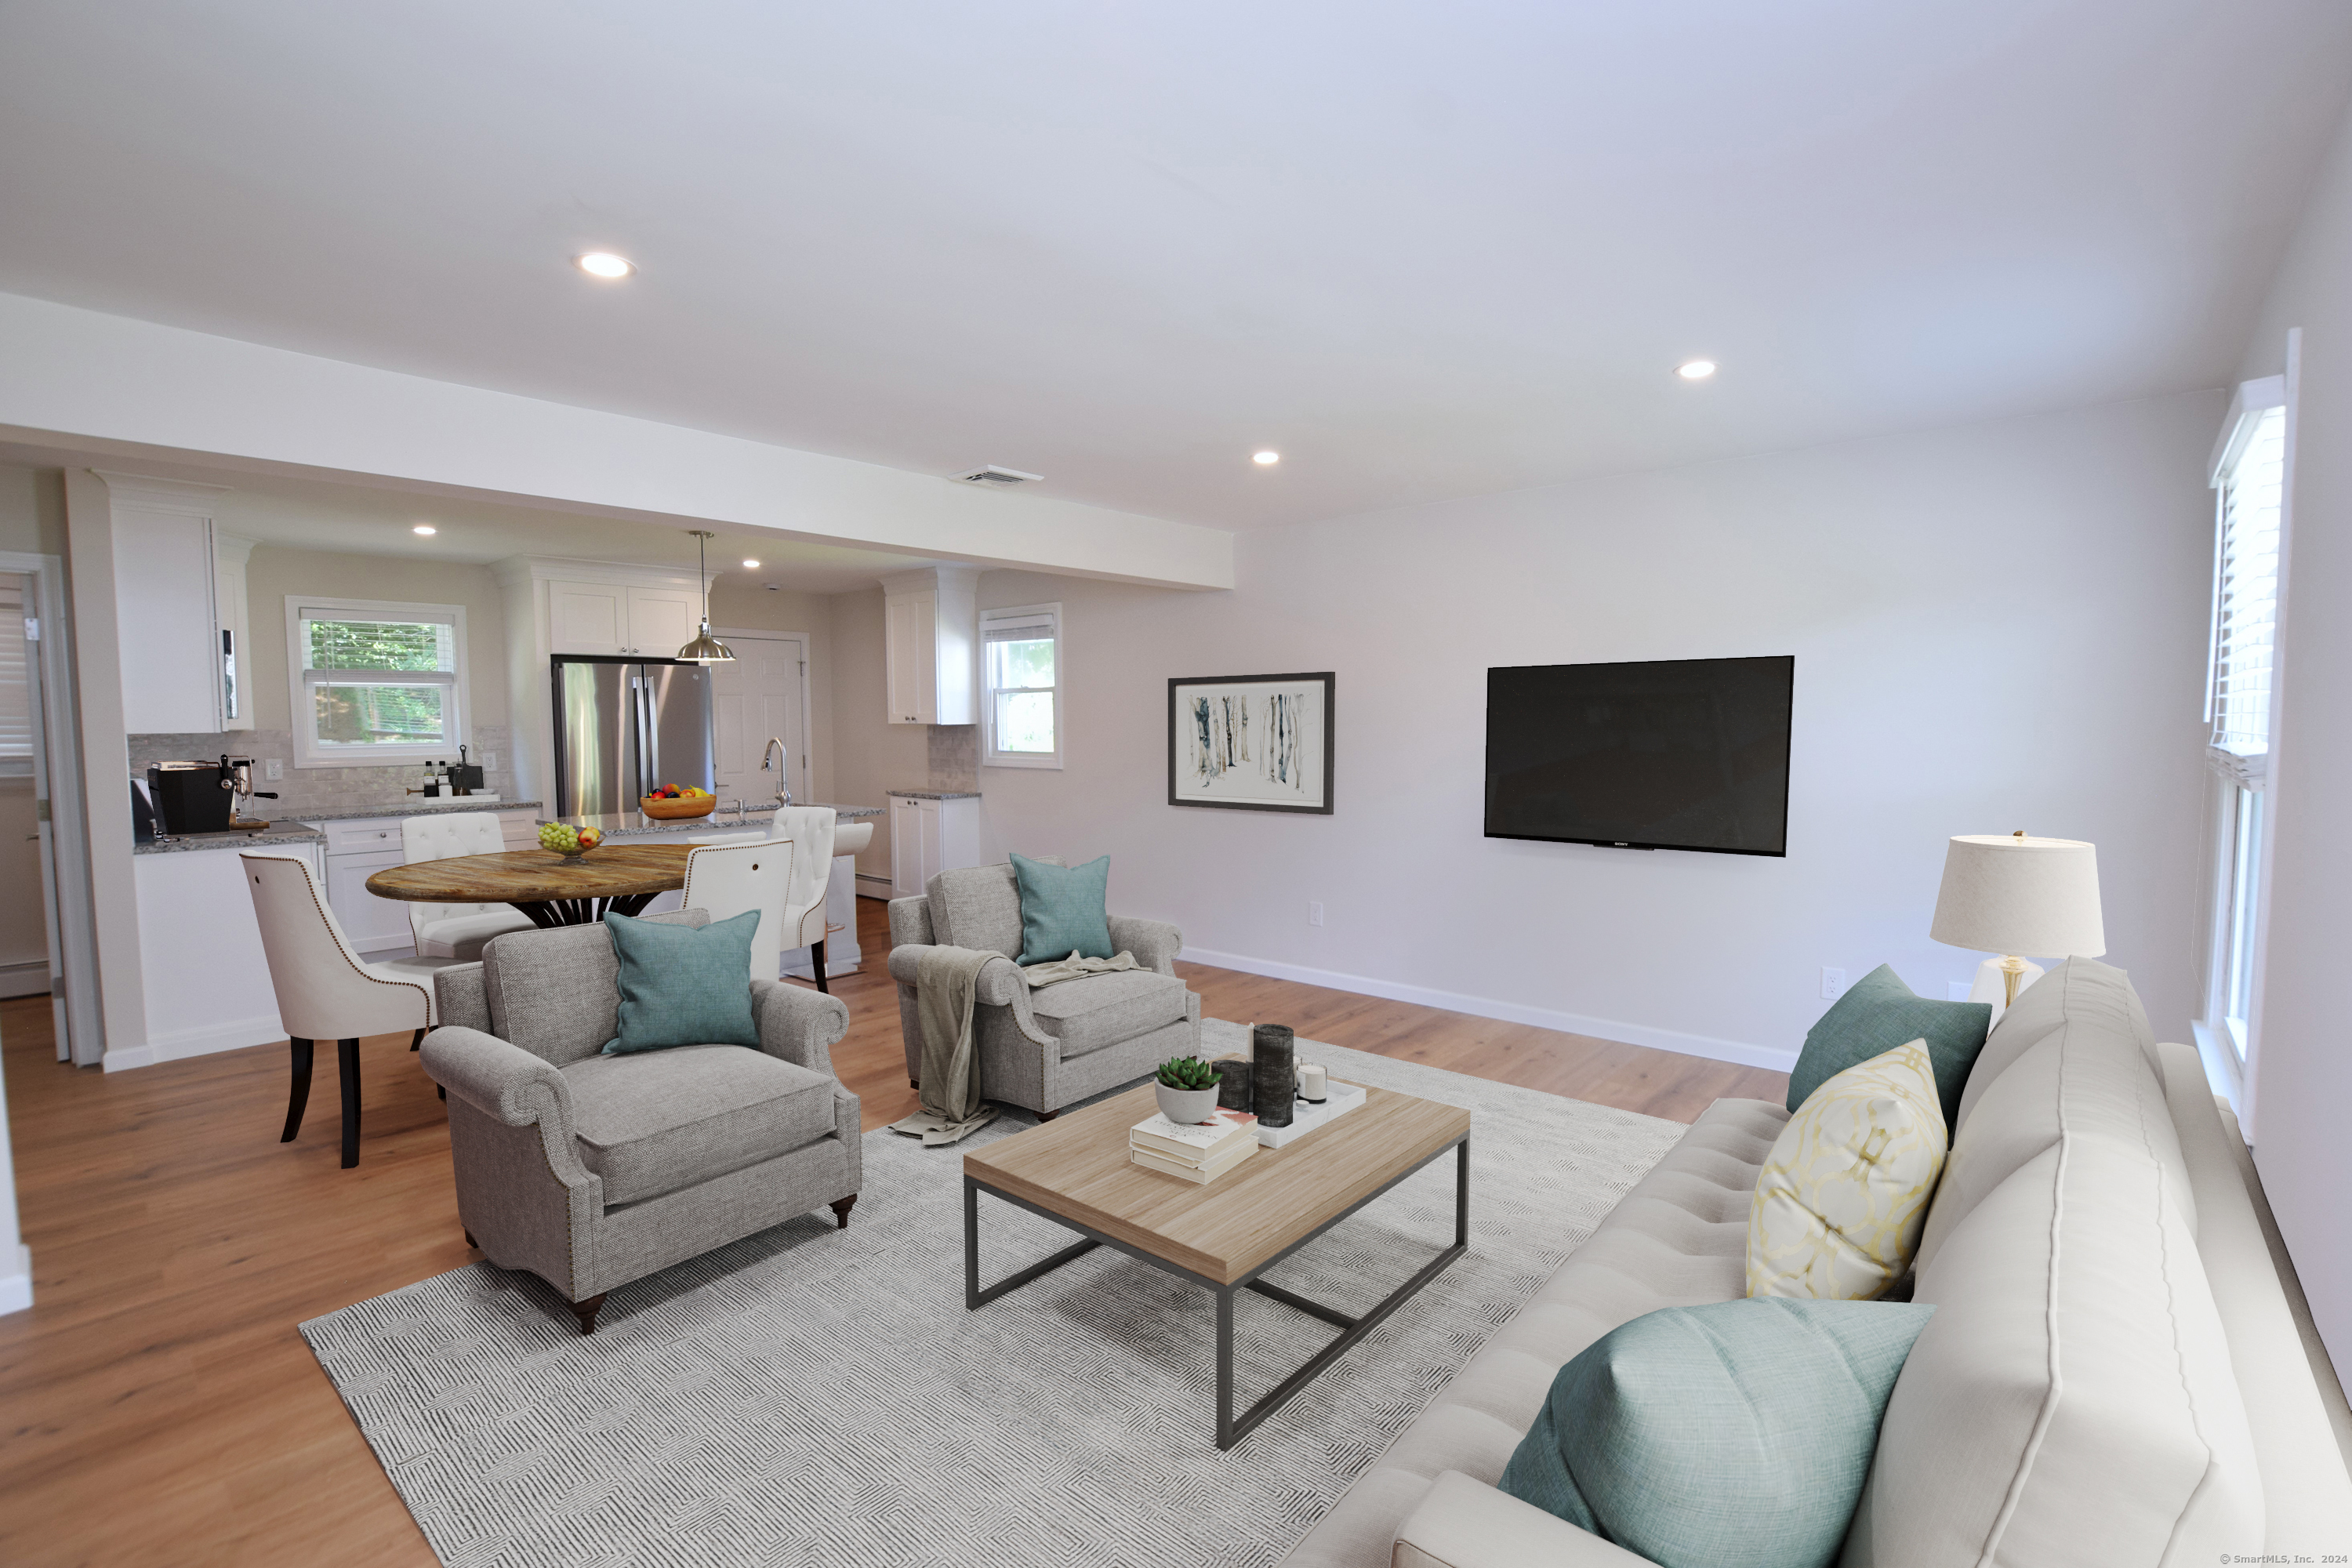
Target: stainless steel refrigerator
column 624, row 726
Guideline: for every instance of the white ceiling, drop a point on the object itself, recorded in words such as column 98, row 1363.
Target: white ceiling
column 1423, row 250
column 350, row 519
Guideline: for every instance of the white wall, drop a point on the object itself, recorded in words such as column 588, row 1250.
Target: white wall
column 2300, row 1083
column 1995, row 628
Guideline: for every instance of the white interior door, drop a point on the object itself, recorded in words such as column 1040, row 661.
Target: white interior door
column 25, row 947
column 764, row 692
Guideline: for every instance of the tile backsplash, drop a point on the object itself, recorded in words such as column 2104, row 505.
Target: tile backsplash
column 955, row 756
column 321, row 789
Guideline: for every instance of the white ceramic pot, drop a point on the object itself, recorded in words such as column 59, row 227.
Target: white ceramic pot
column 1186, row 1105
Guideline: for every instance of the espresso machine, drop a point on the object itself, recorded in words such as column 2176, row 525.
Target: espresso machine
column 204, row 798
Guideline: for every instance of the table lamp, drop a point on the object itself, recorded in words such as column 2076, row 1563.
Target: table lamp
column 2013, row 895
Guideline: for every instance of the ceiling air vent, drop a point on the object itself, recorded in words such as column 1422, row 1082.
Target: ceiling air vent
column 992, row 475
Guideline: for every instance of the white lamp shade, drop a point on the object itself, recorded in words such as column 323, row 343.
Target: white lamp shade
column 2010, row 895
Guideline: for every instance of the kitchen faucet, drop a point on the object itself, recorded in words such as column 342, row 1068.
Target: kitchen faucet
column 778, row 761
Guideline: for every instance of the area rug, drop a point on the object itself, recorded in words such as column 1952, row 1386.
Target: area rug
column 812, row 1396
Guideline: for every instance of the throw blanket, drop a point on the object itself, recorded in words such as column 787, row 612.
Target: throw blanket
column 947, row 982
column 1075, row 968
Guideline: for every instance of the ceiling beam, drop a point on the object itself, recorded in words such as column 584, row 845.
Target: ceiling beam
column 109, row 384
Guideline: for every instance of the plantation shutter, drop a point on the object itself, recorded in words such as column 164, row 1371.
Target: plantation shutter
column 2249, row 483
column 15, row 676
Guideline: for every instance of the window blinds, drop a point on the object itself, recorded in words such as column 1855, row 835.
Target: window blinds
column 2248, row 493
column 16, row 674
column 1017, row 626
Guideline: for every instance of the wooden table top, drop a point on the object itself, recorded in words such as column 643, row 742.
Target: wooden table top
column 1076, row 1167
column 535, row 876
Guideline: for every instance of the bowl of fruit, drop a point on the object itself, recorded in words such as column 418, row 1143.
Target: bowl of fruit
column 670, row 803
column 571, row 843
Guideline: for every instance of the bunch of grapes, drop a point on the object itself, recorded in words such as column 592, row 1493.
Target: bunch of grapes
column 565, row 840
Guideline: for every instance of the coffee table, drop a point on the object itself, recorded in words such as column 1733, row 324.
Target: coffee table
column 1222, row 1236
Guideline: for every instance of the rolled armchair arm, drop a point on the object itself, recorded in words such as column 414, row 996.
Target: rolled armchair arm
column 1465, row 1523
column 797, row 1024
column 1000, row 985
column 903, row 959
column 1155, row 944
column 495, row 1078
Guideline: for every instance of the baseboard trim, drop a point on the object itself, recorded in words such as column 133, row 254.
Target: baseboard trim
column 27, row 979
column 1773, row 1058
column 870, row 885
column 182, row 1044
column 16, row 1288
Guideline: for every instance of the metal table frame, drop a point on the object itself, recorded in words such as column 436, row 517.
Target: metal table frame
column 1230, row 1428
column 549, row 913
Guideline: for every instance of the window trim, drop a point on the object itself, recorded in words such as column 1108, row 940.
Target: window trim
column 307, row 750
column 989, row 757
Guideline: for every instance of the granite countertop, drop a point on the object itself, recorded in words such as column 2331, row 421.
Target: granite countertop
column 290, row 833
column 629, row 824
column 937, row 794
column 417, row 806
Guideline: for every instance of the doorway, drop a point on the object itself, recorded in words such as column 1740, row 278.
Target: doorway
column 763, row 693
column 46, row 944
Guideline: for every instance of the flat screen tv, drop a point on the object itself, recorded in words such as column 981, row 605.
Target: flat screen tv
column 1686, row 753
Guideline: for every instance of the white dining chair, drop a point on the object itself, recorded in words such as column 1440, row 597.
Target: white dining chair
column 325, row 991
column 724, row 880
column 456, row 931
column 811, row 829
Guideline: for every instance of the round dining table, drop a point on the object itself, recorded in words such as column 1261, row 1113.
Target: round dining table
column 621, row 878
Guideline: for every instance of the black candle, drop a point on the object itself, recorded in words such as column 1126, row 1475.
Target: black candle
column 1274, row 1077
column 1233, row 1083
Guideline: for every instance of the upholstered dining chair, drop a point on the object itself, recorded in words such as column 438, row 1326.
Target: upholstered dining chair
column 724, row 880
column 456, row 931
column 325, row 991
column 811, row 828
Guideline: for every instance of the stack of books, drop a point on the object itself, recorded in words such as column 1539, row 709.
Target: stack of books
column 1199, row 1152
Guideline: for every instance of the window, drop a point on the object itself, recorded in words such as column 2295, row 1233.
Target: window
column 1022, row 716
column 375, row 684
column 2248, row 479
column 16, row 681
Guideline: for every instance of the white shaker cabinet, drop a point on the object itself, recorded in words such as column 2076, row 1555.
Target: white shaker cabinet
column 931, row 645
column 928, row 836
column 357, row 850
column 617, row 619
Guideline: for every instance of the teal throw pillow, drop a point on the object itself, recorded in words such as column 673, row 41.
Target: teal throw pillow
column 1063, row 909
column 683, row 986
column 1731, row 1435
column 1879, row 1013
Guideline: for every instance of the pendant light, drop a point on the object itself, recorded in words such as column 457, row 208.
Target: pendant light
column 705, row 649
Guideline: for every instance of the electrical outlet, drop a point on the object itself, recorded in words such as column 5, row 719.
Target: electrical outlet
column 1832, row 984
column 273, row 769
column 489, row 759
column 1315, row 914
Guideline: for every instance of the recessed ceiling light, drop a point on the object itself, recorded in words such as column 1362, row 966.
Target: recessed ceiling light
column 605, row 264
column 425, row 528
column 1696, row 370
column 751, row 566
column 1266, row 459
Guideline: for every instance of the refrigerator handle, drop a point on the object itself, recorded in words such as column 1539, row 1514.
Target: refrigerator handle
column 641, row 716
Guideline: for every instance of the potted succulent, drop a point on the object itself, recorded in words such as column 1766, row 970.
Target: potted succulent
column 1187, row 1087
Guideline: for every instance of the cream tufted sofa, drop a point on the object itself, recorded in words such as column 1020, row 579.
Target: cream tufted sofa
column 2120, row 1369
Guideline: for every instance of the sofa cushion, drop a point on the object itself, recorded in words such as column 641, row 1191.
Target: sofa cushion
column 1679, row 1239
column 2082, row 1069
column 463, row 936
column 2073, row 1400
column 1103, row 1009
column 1840, row 1204
column 977, row 907
column 682, row 986
column 1879, row 1013
column 1733, row 1434
column 554, row 993
column 653, row 1122
column 2078, row 989
column 1064, row 909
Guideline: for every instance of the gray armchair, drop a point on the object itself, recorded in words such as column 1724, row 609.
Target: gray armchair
column 591, row 1171
column 1044, row 1050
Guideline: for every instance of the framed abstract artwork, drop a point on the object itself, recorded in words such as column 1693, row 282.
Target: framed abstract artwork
column 1251, row 742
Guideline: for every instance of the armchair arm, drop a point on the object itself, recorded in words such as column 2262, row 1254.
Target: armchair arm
column 999, row 985
column 1464, row 1524
column 1155, row 944
column 460, row 995
column 797, row 1024
column 903, row 959
column 495, row 1078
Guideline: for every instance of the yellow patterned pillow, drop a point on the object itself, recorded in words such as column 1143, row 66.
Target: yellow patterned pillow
column 1840, row 1204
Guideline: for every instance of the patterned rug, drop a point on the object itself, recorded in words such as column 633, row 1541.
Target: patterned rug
column 812, row 1396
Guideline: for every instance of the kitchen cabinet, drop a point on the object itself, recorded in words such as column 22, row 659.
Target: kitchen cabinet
column 617, row 619
column 930, row 641
column 170, row 640
column 928, row 836
column 205, row 973
column 358, row 849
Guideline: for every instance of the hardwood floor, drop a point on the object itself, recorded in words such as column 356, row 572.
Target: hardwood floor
column 157, row 1405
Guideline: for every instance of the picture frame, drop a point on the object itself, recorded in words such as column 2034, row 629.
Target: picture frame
column 1252, row 742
